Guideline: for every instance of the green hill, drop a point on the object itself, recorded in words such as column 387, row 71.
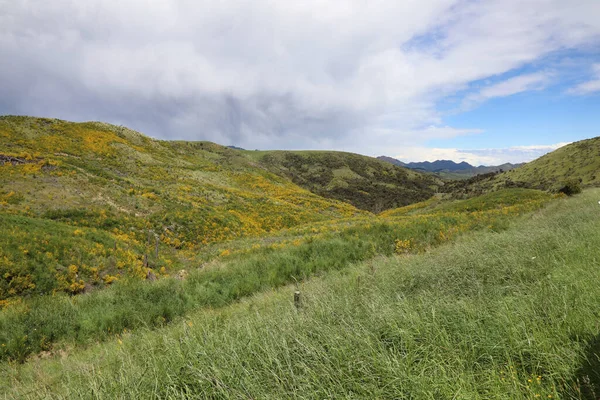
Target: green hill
column 577, row 162
column 116, row 193
column 367, row 183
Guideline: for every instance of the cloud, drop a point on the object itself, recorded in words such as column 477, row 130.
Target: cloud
column 508, row 87
column 492, row 156
column 265, row 74
column 590, row 86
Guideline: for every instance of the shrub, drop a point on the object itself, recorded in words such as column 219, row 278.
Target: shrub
column 571, row 187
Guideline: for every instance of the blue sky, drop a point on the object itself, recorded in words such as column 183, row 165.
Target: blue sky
column 545, row 116
column 531, row 121
column 486, row 82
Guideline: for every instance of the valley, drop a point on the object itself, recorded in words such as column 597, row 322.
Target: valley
column 114, row 245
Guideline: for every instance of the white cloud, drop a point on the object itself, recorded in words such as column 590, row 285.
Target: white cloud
column 497, row 156
column 590, row 86
column 509, row 87
column 267, row 74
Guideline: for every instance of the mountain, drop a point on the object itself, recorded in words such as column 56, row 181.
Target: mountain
column 365, row 182
column 449, row 169
column 440, row 165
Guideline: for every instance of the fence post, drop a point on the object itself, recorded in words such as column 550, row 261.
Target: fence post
column 297, row 299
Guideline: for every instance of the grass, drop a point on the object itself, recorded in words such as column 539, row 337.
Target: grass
column 579, row 161
column 108, row 182
column 509, row 314
column 39, row 323
column 386, row 312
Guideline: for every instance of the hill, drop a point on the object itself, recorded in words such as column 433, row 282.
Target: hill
column 578, row 162
column 365, row 182
column 128, row 205
column 392, row 160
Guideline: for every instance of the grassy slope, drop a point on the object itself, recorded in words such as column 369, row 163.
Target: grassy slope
column 365, row 182
column 579, row 161
column 112, row 191
column 495, row 315
column 39, row 323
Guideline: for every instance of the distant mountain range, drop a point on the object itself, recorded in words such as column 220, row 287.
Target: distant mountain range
column 449, row 168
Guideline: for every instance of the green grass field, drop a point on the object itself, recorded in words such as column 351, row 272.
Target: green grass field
column 36, row 323
column 510, row 313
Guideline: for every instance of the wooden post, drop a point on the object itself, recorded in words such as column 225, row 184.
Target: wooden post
column 156, row 248
column 297, row 299
column 145, row 260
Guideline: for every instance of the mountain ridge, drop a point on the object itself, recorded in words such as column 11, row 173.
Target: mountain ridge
column 450, row 169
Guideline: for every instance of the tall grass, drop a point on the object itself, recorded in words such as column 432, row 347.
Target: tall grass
column 38, row 323
column 510, row 314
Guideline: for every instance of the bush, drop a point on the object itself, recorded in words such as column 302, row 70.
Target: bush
column 571, row 187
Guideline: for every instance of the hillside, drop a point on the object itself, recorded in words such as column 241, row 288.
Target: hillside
column 365, row 182
column 193, row 244
column 115, row 195
column 579, row 162
column 500, row 313
column 33, row 324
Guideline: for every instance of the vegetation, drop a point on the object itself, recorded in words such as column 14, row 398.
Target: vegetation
column 35, row 325
column 509, row 314
column 85, row 204
column 193, row 245
column 367, row 183
column 571, row 188
column 576, row 164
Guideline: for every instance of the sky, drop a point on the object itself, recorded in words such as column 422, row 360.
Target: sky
column 482, row 81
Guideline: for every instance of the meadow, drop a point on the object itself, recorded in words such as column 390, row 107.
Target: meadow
column 495, row 313
column 34, row 324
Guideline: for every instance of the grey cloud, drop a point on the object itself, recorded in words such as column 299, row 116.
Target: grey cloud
column 271, row 74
